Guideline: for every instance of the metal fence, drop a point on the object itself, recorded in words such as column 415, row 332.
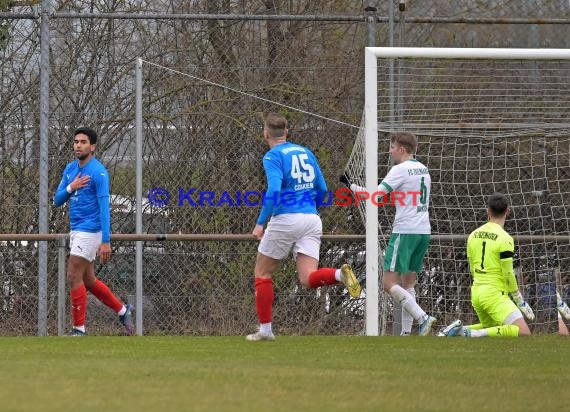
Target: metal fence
column 193, row 285
column 72, row 63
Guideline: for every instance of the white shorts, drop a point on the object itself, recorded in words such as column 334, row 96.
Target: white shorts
column 84, row 244
column 298, row 230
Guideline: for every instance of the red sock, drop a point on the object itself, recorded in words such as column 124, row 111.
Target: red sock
column 264, row 299
column 321, row 277
column 78, row 305
column 104, row 294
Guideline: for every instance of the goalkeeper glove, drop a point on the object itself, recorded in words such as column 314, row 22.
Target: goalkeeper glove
column 522, row 305
column 345, row 179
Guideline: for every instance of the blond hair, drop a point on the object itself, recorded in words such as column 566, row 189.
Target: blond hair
column 407, row 140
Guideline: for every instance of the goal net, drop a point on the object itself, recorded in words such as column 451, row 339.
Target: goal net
column 487, row 120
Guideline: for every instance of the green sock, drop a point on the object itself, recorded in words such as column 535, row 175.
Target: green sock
column 504, row 331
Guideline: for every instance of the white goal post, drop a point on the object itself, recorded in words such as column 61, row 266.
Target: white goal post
column 371, row 137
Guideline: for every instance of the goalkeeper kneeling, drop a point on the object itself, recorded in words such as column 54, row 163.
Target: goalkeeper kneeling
column 494, row 294
column 456, row 328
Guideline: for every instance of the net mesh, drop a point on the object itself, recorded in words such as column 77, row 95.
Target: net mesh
column 482, row 127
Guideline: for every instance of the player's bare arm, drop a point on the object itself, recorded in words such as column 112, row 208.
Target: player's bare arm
column 104, row 252
column 258, row 232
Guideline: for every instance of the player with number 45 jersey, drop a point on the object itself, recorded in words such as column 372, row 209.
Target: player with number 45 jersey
column 295, row 187
column 295, row 183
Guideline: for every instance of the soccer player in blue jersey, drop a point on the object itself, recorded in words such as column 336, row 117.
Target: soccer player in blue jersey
column 295, row 184
column 85, row 184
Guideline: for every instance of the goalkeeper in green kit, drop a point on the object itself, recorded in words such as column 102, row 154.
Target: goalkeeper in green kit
column 494, row 294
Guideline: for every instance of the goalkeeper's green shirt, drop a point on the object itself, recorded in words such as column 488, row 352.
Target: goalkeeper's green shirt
column 490, row 250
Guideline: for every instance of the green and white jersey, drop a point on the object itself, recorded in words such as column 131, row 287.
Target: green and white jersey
column 409, row 185
column 490, row 250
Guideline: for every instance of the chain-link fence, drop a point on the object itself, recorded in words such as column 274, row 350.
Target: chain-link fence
column 300, row 58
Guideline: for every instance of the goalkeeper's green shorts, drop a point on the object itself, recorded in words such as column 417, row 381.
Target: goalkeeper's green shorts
column 492, row 305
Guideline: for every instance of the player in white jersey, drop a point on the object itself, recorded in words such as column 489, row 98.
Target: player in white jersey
column 407, row 186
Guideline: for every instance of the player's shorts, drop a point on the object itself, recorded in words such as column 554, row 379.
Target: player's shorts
column 405, row 253
column 493, row 306
column 84, row 244
column 299, row 231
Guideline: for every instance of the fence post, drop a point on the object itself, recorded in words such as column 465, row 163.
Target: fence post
column 139, row 183
column 61, row 295
column 43, row 207
column 371, row 25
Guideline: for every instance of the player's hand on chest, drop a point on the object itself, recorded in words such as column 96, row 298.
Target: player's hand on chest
column 88, row 188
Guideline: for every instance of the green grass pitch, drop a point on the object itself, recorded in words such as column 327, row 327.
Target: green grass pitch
column 294, row 373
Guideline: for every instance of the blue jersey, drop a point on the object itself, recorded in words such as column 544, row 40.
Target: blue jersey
column 89, row 206
column 295, row 183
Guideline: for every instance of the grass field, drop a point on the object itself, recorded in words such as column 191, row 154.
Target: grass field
column 297, row 373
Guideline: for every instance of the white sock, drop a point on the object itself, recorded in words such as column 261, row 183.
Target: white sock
column 479, row 333
column 122, row 311
column 407, row 319
column 403, row 297
column 265, row 328
column 337, row 275
column 558, row 299
column 81, row 328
